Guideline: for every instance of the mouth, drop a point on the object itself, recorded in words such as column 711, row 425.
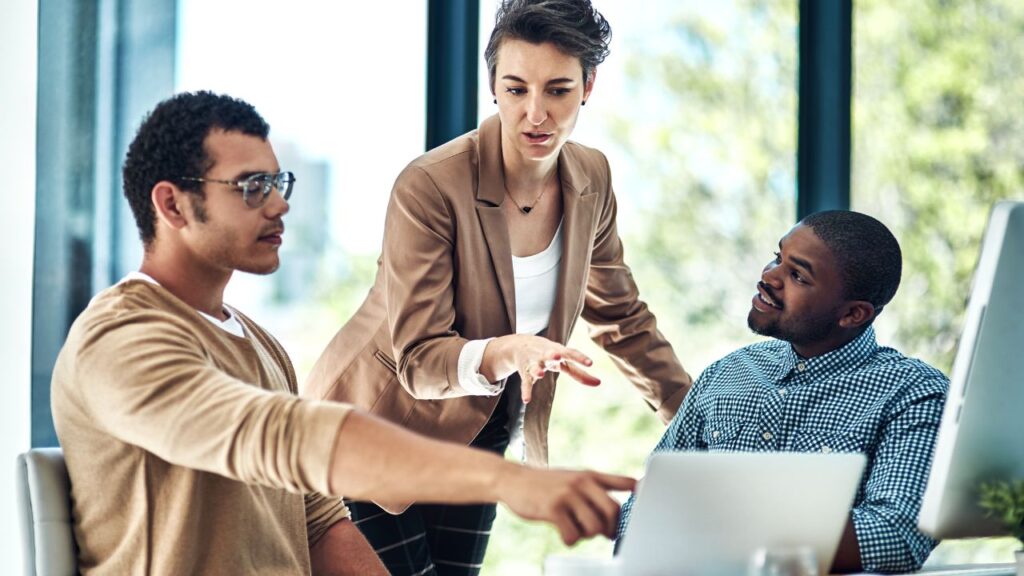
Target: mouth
column 272, row 236
column 538, row 137
column 763, row 300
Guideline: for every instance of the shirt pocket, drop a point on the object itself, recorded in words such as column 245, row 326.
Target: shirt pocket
column 828, row 442
column 722, row 434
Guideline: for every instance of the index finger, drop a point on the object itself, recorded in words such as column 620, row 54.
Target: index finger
column 574, row 355
column 615, row 482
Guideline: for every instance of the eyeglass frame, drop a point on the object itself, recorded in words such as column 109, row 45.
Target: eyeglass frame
column 271, row 181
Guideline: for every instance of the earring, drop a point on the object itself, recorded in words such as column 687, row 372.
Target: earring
column 584, row 103
column 495, row 100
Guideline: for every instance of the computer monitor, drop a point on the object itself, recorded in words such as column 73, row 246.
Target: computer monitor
column 981, row 437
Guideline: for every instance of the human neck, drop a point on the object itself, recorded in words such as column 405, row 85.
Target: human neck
column 201, row 287
column 825, row 345
column 526, row 180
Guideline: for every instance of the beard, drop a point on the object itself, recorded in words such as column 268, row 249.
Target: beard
column 799, row 331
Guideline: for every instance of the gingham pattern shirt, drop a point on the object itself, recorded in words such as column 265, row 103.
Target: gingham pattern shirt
column 859, row 398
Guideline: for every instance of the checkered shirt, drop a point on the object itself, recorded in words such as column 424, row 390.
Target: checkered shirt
column 859, row 398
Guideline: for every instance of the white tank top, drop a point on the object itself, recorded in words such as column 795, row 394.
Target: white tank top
column 536, row 280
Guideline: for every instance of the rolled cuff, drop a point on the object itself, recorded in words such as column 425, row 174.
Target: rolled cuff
column 670, row 406
column 470, row 379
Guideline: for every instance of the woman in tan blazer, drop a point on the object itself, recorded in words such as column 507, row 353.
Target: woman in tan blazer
column 494, row 244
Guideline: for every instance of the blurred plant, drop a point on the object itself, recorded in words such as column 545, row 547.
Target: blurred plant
column 1005, row 502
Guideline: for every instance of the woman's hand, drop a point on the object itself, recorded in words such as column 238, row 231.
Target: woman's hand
column 532, row 357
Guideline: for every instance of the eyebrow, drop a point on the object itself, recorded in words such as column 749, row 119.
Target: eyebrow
column 800, row 262
column 249, row 173
column 515, row 78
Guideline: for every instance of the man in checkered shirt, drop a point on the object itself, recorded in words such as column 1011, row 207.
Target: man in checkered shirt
column 824, row 385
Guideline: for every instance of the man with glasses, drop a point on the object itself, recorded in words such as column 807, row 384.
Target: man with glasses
column 187, row 448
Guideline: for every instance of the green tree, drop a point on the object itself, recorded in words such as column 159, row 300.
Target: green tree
column 938, row 138
column 718, row 153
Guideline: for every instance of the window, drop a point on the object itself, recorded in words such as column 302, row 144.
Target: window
column 345, row 103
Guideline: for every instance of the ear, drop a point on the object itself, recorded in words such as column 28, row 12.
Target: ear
column 589, row 86
column 167, row 203
column 857, row 314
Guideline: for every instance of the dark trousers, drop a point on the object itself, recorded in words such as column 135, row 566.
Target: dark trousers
column 436, row 539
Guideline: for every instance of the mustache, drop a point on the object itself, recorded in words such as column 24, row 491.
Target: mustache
column 272, row 229
column 766, row 288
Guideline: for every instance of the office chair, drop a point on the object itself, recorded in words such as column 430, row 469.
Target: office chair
column 44, row 505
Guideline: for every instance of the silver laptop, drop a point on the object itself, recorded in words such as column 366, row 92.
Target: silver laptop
column 708, row 513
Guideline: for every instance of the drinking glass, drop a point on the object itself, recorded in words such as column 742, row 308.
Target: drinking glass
column 784, row 561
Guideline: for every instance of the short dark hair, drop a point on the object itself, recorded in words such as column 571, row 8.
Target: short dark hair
column 169, row 146
column 869, row 257
column 574, row 26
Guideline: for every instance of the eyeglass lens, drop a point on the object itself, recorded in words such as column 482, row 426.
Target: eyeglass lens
column 259, row 186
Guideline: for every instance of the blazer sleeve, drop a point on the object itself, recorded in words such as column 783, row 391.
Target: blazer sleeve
column 419, row 239
column 623, row 325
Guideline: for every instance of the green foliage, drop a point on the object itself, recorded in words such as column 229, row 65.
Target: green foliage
column 717, row 148
column 1005, row 501
column 938, row 138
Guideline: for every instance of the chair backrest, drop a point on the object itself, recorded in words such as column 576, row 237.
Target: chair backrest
column 44, row 503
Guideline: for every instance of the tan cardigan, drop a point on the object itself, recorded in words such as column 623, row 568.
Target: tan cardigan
column 187, row 449
column 445, row 277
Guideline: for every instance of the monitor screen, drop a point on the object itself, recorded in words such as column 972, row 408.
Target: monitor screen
column 981, row 437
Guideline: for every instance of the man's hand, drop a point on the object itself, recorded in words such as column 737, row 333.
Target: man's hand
column 577, row 503
column 532, row 357
column 377, row 460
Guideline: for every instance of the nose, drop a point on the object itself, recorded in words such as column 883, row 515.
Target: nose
column 771, row 276
column 276, row 206
column 536, row 111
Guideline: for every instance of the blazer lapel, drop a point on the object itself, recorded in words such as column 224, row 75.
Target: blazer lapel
column 490, row 193
column 578, row 205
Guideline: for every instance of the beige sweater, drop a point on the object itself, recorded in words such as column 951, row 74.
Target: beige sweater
column 188, row 451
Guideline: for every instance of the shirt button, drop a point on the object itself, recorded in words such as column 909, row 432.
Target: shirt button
column 826, row 450
column 800, row 366
column 716, row 434
column 767, row 435
column 782, row 391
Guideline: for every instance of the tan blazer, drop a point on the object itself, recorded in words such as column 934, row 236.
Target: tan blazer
column 445, row 277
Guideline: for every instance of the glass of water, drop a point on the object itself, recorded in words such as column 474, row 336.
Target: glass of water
column 784, row 561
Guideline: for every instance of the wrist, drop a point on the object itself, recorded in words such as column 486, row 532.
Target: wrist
column 507, row 475
column 493, row 366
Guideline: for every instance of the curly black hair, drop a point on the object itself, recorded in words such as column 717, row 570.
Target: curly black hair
column 869, row 257
column 574, row 26
column 169, row 146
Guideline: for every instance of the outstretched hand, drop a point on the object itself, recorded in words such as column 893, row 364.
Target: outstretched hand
column 577, row 503
column 532, row 357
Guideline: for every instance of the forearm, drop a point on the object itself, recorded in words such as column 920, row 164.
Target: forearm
column 377, row 460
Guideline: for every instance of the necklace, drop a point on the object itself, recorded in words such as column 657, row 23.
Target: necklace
column 524, row 210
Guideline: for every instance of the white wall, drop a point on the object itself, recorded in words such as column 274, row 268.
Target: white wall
column 18, row 58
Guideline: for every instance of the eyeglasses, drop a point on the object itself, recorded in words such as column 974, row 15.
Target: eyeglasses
column 257, row 188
